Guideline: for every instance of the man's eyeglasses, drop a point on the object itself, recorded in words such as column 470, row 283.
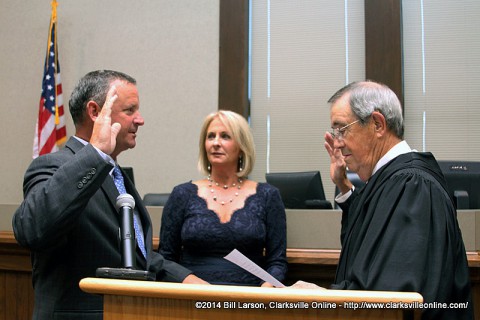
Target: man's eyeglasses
column 338, row 133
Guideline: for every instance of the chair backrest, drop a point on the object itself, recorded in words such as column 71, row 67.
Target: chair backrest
column 155, row 199
column 300, row 190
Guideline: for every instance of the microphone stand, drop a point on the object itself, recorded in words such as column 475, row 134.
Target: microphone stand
column 125, row 205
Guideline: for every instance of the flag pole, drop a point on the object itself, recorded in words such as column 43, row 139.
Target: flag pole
column 53, row 21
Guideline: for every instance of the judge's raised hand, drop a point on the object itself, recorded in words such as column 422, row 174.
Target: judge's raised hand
column 338, row 167
column 105, row 133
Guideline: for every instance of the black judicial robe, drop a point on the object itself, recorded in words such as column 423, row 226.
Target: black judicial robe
column 400, row 233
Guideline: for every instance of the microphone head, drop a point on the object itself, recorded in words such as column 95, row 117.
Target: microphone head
column 125, row 200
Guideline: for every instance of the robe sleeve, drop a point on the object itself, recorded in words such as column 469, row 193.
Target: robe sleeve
column 345, row 206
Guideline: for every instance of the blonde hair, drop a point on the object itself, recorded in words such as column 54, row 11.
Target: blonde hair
column 241, row 133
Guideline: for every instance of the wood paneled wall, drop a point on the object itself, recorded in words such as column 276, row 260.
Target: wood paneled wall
column 16, row 291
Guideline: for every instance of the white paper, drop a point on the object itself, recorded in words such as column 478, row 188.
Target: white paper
column 243, row 262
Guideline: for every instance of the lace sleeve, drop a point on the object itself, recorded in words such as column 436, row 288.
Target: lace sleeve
column 172, row 222
column 276, row 242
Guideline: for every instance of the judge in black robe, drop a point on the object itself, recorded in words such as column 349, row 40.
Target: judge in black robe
column 400, row 231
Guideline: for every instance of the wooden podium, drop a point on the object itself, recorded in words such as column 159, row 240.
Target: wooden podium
column 137, row 300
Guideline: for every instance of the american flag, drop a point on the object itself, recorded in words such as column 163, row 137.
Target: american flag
column 50, row 130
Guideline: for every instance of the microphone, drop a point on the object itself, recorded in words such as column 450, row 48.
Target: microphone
column 125, row 205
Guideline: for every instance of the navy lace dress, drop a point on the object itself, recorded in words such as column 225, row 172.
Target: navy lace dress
column 193, row 235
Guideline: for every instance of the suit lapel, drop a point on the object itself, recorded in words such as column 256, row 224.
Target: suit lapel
column 111, row 192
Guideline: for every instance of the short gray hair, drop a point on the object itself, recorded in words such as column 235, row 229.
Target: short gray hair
column 365, row 97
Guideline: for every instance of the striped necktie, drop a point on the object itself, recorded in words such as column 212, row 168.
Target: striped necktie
column 119, row 183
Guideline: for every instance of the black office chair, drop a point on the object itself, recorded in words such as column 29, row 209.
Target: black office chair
column 300, row 190
column 155, row 199
column 354, row 179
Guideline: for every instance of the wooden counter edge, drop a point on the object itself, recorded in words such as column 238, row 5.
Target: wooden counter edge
column 238, row 293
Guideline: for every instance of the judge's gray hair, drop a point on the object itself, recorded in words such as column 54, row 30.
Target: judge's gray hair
column 365, row 97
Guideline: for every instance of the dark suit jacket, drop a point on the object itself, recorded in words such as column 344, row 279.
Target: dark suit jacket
column 69, row 222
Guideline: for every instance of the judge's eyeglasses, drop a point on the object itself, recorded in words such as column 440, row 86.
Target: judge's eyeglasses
column 338, row 133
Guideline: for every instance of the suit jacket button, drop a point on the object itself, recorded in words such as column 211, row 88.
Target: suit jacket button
column 93, row 171
column 80, row 185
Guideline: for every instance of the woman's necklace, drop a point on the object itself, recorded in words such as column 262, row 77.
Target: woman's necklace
column 212, row 182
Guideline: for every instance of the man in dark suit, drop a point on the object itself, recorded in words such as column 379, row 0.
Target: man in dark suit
column 68, row 217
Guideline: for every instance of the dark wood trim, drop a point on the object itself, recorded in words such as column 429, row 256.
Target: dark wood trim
column 233, row 56
column 383, row 44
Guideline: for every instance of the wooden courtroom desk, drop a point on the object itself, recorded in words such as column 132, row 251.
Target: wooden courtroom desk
column 138, row 300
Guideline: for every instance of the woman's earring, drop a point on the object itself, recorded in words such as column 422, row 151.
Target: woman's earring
column 240, row 164
column 209, row 168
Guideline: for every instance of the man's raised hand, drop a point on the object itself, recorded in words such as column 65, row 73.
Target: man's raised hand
column 105, row 133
